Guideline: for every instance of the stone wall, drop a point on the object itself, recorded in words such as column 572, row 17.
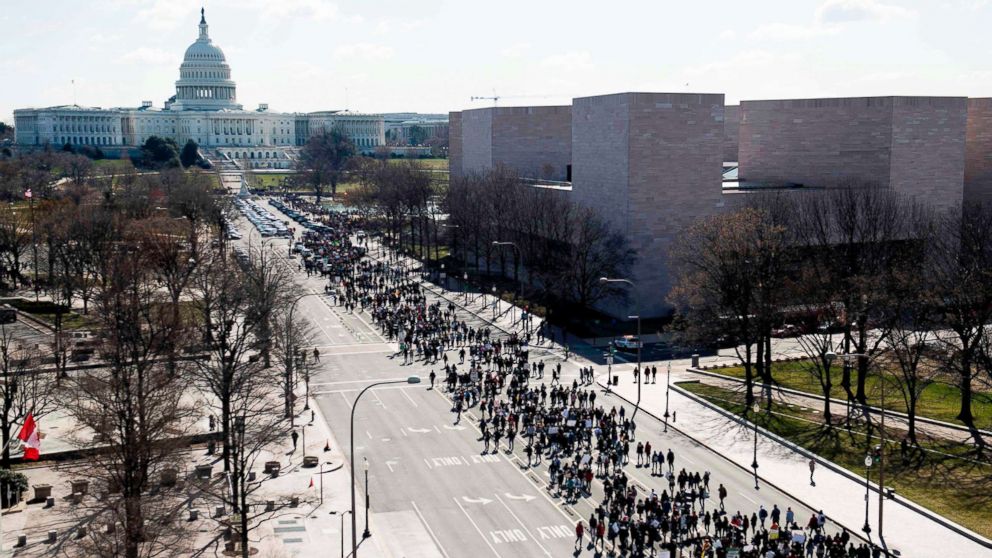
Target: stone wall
column 477, row 140
column 731, row 131
column 816, row 142
column 455, row 144
column 534, row 141
column 651, row 163
column 978, row 152
column 928, row 149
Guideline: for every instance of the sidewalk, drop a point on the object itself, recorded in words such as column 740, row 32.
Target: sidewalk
column 840, row 497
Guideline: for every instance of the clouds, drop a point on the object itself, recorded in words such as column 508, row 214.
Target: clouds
column 148, row 56
column 791, row 32
column 363, row 51
column 569, row 61
column 846, row 11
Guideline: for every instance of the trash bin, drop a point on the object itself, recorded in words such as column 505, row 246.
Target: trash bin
column 695, row 360
column 616, row 380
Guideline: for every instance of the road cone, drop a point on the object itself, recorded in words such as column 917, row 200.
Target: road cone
column 327, row 445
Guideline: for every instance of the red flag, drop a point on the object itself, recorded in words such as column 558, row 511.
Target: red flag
column 29, row 436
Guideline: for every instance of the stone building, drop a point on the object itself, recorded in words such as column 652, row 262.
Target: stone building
column 912, row 145
column 534, row 141
column 978, row 152
column 651, row 164
column 204, row 109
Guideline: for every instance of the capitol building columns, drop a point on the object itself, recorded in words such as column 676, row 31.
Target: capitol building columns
column 204, row 109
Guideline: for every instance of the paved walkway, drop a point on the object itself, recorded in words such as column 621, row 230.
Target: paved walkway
column 906, row 530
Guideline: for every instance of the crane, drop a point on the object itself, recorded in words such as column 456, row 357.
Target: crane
column 495, row 98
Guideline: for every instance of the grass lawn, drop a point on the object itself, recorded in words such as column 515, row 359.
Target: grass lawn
column 939, row 401
column 107, row 166
column 942, row 480
column 435, row 164
column 45, row 311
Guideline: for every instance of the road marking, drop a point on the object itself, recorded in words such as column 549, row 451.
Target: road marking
column 450, row 427
column 376, row 395
column 428, row 463
column 429, row 530
column 480, row 500
column 390, row 464
column 526, row 530
column 472, row 521
column 501, row 536
column 524, row 497
column 748, row 499
column 345, row 397
column 555, row 532
column 418, row 430
column 407, row 395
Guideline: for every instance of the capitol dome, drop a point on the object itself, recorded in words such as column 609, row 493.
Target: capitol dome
column 204, row 76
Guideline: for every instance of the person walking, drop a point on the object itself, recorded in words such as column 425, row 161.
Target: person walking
column 812, row 467
column 579, row 533
column 295, row 436
column 316, row 355
column 432, row 377
column 671, row 460
column 722, row 493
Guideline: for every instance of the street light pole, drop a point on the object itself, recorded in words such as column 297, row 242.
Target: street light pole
column 516, row 279
column 366, row 534
column 847, row 357
column 668, row 385
column 754, row 464
column 868, row 462
column 640, row 343
column 354, row 407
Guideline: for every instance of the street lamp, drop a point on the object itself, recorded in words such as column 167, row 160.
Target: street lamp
column 668, row 385
column 465, row 286
column 516, row 265
column 495, row 302
column 640, row 343
column 849, row 357
column 366, row 534
column 341, row 515
column 868, row 463
column 754, row 464
column 354, row 407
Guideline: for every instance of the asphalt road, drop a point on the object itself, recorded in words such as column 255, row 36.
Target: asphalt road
column 432, row 490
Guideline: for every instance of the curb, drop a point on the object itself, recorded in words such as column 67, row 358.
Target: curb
column 961, row 530
column 872, row 408
column 855, row 533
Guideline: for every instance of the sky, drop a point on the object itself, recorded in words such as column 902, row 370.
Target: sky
column 434, row 55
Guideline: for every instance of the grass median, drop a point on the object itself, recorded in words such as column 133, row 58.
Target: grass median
column 943, row 476
column 939, row 401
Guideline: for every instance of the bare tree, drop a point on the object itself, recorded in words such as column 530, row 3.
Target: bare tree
column 136, row 409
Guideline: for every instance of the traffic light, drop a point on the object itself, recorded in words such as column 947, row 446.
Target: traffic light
column 876, row 454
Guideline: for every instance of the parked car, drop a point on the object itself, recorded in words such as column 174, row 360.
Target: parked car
column 628, row 343
column 787, row 330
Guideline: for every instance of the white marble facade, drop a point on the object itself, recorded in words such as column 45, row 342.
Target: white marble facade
column 204, row 109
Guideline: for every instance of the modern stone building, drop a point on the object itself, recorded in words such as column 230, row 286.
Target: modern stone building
column 912, row 145
column 204, row 109
column 731, row 131
column 651, row 164
column 978, row 152
column 534, row 141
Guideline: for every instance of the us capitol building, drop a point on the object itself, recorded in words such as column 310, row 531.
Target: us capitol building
column 205, row 109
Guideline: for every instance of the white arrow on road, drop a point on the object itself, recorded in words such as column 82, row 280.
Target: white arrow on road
column 525, row 497
column 482, row 501
column 449, row 427
column 390, row 464
column 419, row 430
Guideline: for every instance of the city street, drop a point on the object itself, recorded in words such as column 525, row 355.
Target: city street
column 431, row 488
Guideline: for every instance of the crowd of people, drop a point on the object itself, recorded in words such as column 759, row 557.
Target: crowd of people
column 585, row 445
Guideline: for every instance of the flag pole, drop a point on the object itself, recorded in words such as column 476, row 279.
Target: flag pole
column 5, row 446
